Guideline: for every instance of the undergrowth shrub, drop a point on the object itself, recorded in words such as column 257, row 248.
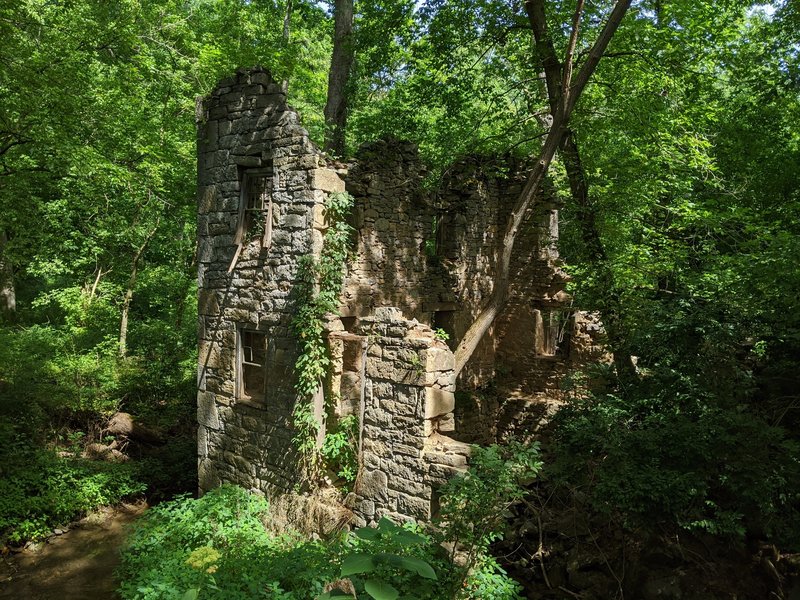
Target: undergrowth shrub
column 677, row 457
column 217, row 547
column 473, row 505
column 40, row 490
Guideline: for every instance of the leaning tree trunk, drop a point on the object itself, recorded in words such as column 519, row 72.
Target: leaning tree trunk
column 339, row 77
column 555, row 76
column 568, row 97
column 8, row 294
column 287, row 27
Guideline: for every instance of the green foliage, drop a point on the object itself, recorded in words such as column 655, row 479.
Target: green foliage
column 441, row 334
column 317, row 294
column 378, row 575
column 690, row 149
column 45, row 373
column 487, row 579
column 692, row 187
column 97, row 154
column 473, row 505
column 216, row 547
column 340, row 449
column 40, row 490
column 317, row 290
column 195, row 544
column 671, row 457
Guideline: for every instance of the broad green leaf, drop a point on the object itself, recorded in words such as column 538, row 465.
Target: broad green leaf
column 409, row 538
column 368, row 533
column 386, row 526
column 191, row 594
column 380, row 590
column 357, row 563
column 418, row 566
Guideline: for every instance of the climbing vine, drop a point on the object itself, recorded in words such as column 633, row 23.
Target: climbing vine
column 319, row 283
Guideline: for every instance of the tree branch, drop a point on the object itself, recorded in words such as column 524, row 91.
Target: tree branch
column 561, row 112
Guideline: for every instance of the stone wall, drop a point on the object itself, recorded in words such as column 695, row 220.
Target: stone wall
column 246, row 132
column 432, row 253
column 408, row 400
column 422, row 260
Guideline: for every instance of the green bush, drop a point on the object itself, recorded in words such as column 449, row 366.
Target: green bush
column 473, row 505
column 677, row 457
column 40, row 490
column 216, row 547
column 45, row 379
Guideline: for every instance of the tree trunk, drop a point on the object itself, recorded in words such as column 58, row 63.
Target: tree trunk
column 556, row 82
column 568, row 96
column 191, row 281
column 287, row 24
column 8, row 295
column 126, row 303
column 339, row 77
column 287, row 21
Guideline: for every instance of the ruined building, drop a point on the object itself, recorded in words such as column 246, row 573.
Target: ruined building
column 422, row 261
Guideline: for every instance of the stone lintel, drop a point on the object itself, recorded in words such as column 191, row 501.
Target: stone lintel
column 440, row 306
column 247, row 161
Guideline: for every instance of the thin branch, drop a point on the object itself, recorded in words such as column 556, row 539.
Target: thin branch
column 569, row 57
column 597, row 51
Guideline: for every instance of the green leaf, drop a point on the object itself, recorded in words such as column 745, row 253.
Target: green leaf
column 409, row 538
column 386, row 526
column 191, row 594
column 367, row 533
column 357, row 563
column 418, row 566
column 380, row 590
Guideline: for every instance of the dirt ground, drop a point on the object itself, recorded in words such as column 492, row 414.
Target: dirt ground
column 78, row 565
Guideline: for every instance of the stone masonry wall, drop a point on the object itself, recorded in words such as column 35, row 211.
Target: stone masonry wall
column 408, row 398
column 246, row 130
column 432, row 253
column 422, row 260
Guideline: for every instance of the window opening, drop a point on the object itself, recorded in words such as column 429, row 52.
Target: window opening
column 255, row 212
column 430, row 244
column 349, row 323
column 445, row 320
column 551, row 331
column 258, row 208
column 252, row 365
column 445, row 236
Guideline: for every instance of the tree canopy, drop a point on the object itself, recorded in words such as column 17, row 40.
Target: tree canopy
column 678, row 169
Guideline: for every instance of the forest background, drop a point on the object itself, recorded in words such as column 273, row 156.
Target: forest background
column 681, row 230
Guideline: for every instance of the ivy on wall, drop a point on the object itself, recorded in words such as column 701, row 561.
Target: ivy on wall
column 319, row 284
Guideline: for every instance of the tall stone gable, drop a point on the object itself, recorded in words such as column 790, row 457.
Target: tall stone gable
column 260, row 198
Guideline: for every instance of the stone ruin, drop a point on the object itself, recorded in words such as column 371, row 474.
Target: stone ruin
column 422, row 261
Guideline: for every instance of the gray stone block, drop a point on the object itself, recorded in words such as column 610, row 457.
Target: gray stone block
column 207, row 410
column 438, row 402
column 326, row 180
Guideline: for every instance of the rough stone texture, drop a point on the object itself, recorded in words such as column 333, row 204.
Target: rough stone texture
column 433, row 254
column 246, row 124
column 422, row 261
column 399, row 475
